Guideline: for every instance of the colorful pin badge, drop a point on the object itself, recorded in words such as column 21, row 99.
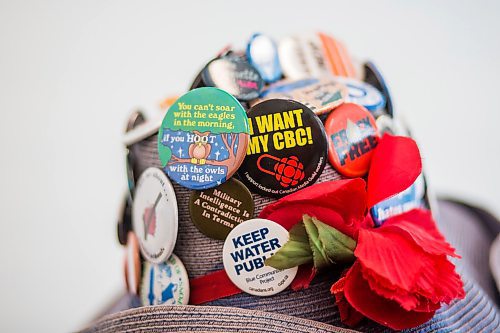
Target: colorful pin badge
column 292, row 59
column 374, row 77
column 352, row 135
column 411, row 198
column 217, row 211
column 235, row 75
column 124, row 224
column 135, row 119
column 245, row 250
column 320, row 95
column 287, row 149
column 132, row 264
column 336, row 57
column 314, row 55
column 203, row 138
column 262, row 53
column 363, row 94
column 155, row 215
column 165, row 283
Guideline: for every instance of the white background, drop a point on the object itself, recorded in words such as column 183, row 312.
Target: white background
column 70, row 72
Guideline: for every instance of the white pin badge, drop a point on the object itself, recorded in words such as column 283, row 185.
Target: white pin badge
column 166, row 283
column 246, row 248
column 363, row 94
column 155, row 215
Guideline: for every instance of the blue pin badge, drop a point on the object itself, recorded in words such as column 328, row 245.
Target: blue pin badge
column 262, row 53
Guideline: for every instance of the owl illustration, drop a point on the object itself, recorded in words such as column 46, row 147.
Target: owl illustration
column 200, row 149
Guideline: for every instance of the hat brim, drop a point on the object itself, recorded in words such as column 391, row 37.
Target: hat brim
column 190, row 318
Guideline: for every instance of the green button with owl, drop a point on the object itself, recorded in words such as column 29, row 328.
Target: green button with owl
column 203, row 138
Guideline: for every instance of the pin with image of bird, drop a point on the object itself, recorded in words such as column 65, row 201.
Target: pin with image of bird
column 200, row 148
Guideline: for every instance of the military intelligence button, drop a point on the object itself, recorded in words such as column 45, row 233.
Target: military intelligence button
column 287, row 149
column 363, row 94
column 235, row 75
column 154, row 215
column 215, row 212
column 352, row 135
column 375, row 78
column 166, row 283
column 245, row 250
column 203, row 138
column 262, row 53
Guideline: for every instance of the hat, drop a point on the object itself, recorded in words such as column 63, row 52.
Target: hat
column 310, row 307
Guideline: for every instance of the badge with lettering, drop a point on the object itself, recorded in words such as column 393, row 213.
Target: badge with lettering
column 321, row 96
column 314, row 55
column 246, row 248
column 363, row 94
column 235, row 75
column 215, row 212
column 375, row 78
column 165, row 283
column 352, row 134
column 287, row 149
column 132, row 264
column 154, row 215
column 411, row 198
column 336, row 57
column 301, row 57
column 262, row 53
column 203, row 138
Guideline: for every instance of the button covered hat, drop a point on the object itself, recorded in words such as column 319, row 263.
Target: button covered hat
column 268, row 186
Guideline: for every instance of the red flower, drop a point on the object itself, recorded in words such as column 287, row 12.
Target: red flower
column 401, row 274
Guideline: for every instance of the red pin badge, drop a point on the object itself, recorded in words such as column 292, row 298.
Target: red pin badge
column 352, row 136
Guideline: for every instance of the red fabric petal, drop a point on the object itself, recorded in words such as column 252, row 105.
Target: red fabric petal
column 406, row 299
column 339, row 203
column 421, row 228
column 391, row 255
column 386, row 312
column 348, row 314
column 305, row 275
column 395, row 166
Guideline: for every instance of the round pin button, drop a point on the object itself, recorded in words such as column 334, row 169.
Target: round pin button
column 375, row 78
column 411, row 198
column 262, row 53
column 166, row 283
column 352, row 135
column 203, row 138
column 154, row 215
column 363, row 94
column 245, row 250
column 321, row 96
column 235, row 75
column 287, row 150
column 292, row 59
column 124, row 224
column 215, row 212
column 132, row 264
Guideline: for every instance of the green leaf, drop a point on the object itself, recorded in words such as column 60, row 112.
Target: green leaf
column 314, row 241
column 336, row 246
column 295, row 252
column 319, row 256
